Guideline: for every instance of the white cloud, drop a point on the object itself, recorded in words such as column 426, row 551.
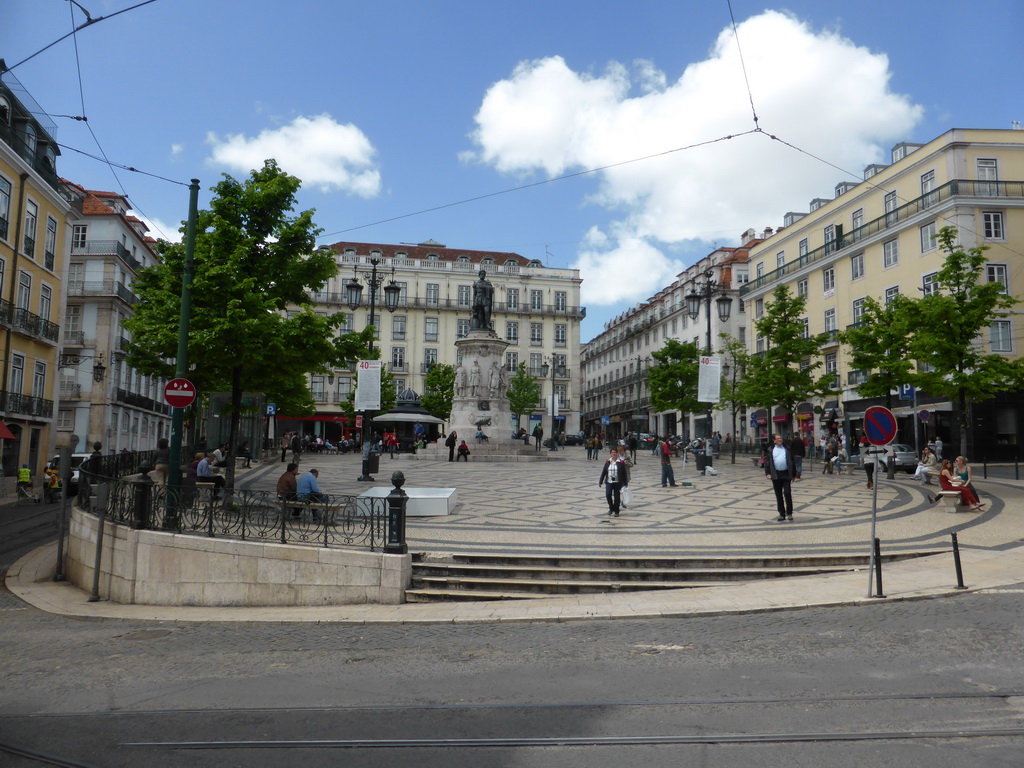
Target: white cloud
column 622, row 267
column 177, row 149
column 161, row 230
column 814, row 90
column 317, row 150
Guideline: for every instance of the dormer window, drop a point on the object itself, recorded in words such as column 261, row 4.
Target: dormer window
column 433, row 257
column 510, row 262
column 487, row 260
column 5, row 110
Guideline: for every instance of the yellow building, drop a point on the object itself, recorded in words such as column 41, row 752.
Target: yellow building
column 877, row 238
column 34, row 237
column 536, row 309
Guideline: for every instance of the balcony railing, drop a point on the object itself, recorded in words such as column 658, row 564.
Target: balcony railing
column 70, row 391
column 140, row 401
column 102, row 289
column 958, row 188
column 48, row 260
column 106, row 248
column 14, row 402
column 74, row 338
column 39, row 162
column 26, row 322
column 30, row 247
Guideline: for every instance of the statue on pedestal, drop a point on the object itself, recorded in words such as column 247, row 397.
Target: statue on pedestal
column 483, row 302
column 474, row 379
column 460, row 381
column 495, row 379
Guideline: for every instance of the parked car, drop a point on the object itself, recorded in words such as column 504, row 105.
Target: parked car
column 76, row 462
column 573, row 439
column 905, row 455
column 646, row 441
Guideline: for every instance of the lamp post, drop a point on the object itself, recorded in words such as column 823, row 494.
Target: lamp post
column 544, row 371
column 353, row 296
column 705, row 292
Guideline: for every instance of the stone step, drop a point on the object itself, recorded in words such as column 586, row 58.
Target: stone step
column 680, row 576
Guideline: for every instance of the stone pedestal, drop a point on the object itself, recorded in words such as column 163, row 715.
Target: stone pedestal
column 481, row 386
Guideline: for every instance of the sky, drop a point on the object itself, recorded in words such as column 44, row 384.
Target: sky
column 626, row 140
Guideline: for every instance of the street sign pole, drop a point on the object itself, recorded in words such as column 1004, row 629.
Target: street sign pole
column 880, row 430
column 178, row 414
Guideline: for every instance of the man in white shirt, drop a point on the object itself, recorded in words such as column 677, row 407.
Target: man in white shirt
column 779, row 467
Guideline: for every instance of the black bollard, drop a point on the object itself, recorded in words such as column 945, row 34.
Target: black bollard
column 143, row 498
column 397, row 501
column 878, row 569
column 956, row 561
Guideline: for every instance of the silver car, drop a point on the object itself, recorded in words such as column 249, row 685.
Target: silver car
column 906, row 456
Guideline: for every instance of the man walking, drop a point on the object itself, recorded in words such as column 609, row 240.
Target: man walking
column 779, row 467
column 796, row 447
column 614, row 477
column 538, row 435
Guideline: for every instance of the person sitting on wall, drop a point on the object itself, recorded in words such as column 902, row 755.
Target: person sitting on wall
column 463, row 452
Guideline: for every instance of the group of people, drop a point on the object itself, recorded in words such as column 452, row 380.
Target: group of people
column 957, row 476
column 292, row 487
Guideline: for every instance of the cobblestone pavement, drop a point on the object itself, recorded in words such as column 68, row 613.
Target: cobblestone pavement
column 557, row 507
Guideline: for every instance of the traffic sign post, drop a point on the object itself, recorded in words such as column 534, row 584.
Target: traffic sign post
column 179, row 393
column 880, row 429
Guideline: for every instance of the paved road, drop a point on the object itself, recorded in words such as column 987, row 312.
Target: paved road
column 84, row 689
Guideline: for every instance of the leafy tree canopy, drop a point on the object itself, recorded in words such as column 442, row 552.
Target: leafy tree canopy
column 880, row 345
column 673, row 378
column 523, row 392
column 439, row 386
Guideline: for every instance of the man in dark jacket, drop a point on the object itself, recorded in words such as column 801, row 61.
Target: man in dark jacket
column 450, row 442
column 614, row 477
column 778, row 466
column 796, row 447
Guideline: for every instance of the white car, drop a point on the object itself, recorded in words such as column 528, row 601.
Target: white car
column 76, row 462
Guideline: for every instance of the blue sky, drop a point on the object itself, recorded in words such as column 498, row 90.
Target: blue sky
column 386, row 109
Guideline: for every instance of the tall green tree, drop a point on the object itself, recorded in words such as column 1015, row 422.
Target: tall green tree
column 672, row 379
column 439, row 391
column 252, row 327
column 949, row 339
column 786, row 373
column 523, row 393
column 880, row 346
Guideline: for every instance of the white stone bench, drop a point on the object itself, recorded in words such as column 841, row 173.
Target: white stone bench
column 423, row 502
column 950, row 499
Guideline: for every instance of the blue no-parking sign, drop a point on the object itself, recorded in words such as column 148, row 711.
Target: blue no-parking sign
column 879, row 425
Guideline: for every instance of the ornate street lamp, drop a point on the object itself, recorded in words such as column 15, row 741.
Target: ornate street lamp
column 705, row 292
column 353, row 297
column 544, row 368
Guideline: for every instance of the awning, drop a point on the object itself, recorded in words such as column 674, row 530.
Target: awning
column 397, row 417
column 5, row 433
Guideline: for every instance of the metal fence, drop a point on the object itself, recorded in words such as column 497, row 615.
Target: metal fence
column 338, row 521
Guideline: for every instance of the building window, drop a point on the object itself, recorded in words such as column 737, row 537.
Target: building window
column 31, row 221
column 857, row 220
column 830, row 238
column 890, row 254
column 39, row 380
column 561, row 301
column 464, row 295
column 801, row 290
column 759, row 308
column 803, row 249
column 999, row 336
column 461, row 329
column 929, row 284
column 759, row 270
column 5, row 207
column 398, row 358
column 72, row 320
column 403, row 294
column 992, row 225
column 511, row 361
column 890, row 203
column 928, row 241
column 536, row 334
column 398, row 328
column 536, row 300
column 858, row 310
column 560, row 335
column 430, row 329
column 433, row 294
column 50, row 245
column 399, row 386
column 780, row 259
column 512, row 298
column 512, row 332
column 45, row 301
column 759, row 345
column 65, row 419
column 430, row 356
column 806, row 332
column 24, row 290
column 996, row 273
column 927, row 188
column 857, row 266
column 987, row 172
column 17, row 373
column 374, row 320
column 828, row 277
column 830, row 320
column 891, row 294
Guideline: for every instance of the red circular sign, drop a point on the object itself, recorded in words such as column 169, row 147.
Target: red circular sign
column 879, row 425
column 179, row 393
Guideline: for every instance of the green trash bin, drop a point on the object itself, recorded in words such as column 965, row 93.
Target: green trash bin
column 703, row 461
column 373, row 464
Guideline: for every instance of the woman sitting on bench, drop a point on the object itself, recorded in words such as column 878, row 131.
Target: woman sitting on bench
column 949, row 481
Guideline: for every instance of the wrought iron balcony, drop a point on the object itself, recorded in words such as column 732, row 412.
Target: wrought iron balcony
column 28, row 323
column 14, row 402
column 106, row 248
column 102, row 289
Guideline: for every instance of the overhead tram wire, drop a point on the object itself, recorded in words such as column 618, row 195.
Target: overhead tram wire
column 89, row 22
column 552, row 180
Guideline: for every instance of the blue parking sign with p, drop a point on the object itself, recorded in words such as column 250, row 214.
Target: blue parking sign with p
column 271, row 409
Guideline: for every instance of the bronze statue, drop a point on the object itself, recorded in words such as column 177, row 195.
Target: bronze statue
column 483, row 302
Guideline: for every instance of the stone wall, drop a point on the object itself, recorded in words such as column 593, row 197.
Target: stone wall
column 158, row 568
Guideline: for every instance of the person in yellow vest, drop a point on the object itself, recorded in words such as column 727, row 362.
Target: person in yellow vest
column 25, row 482
column 53, row 486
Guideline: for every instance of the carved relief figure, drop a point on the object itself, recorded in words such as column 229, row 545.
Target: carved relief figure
column 460, row 381
column 474, row 379
column 495, row 379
